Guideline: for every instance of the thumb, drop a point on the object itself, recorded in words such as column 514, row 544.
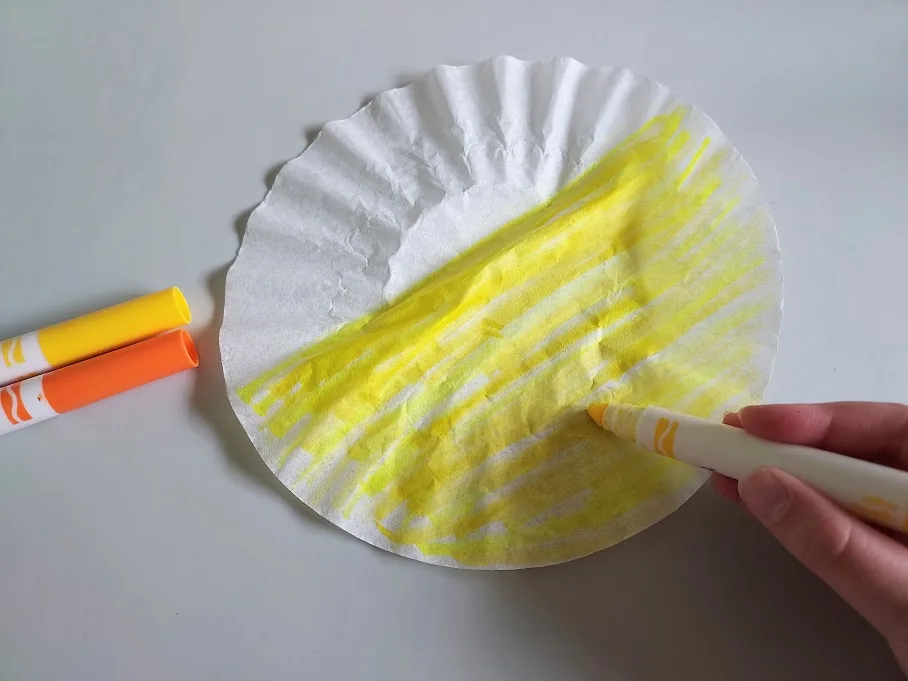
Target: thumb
column 865, row 567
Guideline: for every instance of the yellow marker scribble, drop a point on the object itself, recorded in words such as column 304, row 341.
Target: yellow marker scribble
column 453, row 419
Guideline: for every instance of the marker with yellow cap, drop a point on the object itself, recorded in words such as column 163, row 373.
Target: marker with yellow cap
column 870, row 490
column 93, row 334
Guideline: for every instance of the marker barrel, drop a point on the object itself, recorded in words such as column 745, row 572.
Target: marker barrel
column 876, row 492
column 92, row 334
column 39, row 398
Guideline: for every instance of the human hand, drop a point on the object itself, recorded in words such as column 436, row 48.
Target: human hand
column 867, row 567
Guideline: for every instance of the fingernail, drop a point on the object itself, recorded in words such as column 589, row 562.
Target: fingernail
column 765, row 495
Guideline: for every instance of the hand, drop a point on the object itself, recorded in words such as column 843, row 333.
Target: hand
column 865, row 566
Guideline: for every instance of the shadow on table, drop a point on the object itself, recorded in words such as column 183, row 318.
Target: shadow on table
column 682, row 601
column 209, row 396
column 311, row 132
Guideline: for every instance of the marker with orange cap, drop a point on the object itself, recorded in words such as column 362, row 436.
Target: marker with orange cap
column 42, row 397
column 92, row 334
column 875, row 492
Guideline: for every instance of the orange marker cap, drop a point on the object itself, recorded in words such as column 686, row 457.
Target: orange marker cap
column 107, row 375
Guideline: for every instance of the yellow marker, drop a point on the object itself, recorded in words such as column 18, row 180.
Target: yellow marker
column 875, row 492
column 77, row 339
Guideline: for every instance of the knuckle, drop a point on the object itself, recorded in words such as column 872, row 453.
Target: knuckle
column 825, row 544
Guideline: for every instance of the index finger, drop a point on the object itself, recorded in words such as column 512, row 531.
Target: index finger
column 874, row 431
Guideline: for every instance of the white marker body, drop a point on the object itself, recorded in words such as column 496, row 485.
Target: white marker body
column 873, row 491
column 20, row 358
column 23, row 404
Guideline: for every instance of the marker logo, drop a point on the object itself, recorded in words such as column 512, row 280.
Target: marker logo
column 878, row 509
column 12, row 405
column 664, row 437
column 11, row 353
column 20, row 358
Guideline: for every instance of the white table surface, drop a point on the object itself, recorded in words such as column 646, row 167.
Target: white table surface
column 143, row 538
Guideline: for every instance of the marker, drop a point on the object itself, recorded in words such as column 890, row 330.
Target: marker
column 877, row 493
column 92, row 334
column 42, row 397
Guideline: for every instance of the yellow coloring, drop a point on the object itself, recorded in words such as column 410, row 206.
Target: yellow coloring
column 452, row 420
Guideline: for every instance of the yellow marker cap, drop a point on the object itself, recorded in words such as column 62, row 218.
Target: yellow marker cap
column 114, row 327
column 92, row 334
